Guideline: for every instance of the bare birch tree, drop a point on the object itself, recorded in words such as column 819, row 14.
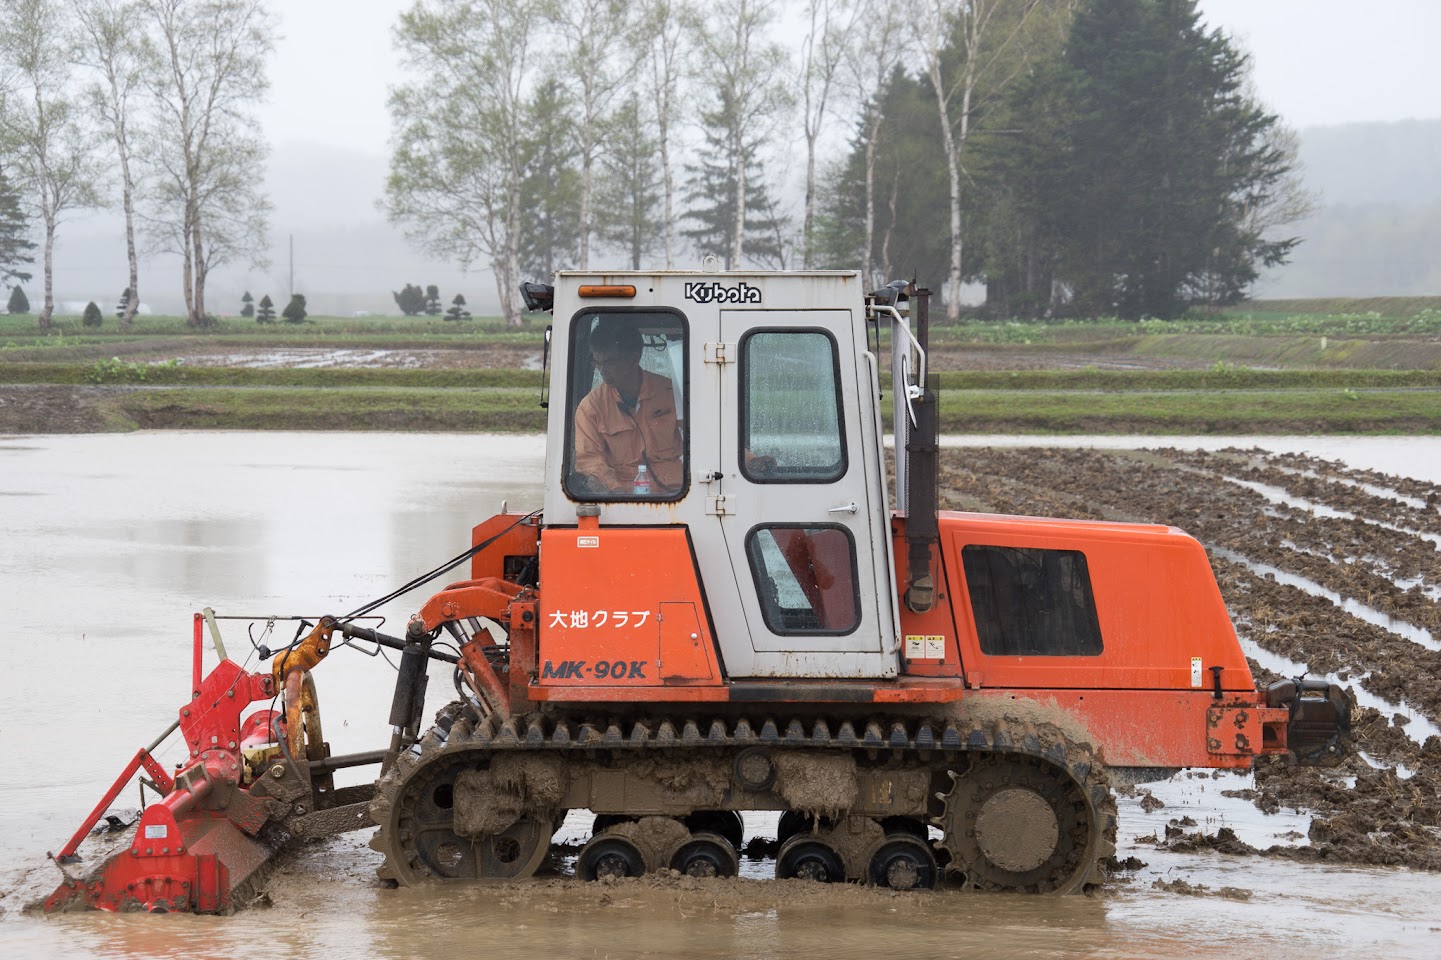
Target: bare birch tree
column 825, row 50
column 111, row 41
column 597, row 67
column 865, row 79
column 55, row 163
column 745, row 68
column 456, row 170
column 987, row 34
column 662, row 38
column 211, row 70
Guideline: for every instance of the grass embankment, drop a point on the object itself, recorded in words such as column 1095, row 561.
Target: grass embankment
column 448, row 409
column 1193, row 412
column 1342, row 369
column 1224, row 400
column 329, row 330
column 1377, row 334
column 102, row 372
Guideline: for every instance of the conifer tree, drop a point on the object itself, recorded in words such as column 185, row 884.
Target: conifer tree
column 266, row 314
column 15, row 246
column 247, row 305
column 410, row 299
column 92, row 316
column 123, row 304
column 630, row 194
column 711, row 196
column 1167, row 156
column 432, row 301
column 294, row 311
column 551, row 187
column 19, row 303
column 457, row 309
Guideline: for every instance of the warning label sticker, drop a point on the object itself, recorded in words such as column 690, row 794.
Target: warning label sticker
column 923, row 647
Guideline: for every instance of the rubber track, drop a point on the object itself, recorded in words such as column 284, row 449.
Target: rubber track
column 458, row 729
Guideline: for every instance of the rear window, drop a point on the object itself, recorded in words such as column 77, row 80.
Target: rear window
column 1030, row 602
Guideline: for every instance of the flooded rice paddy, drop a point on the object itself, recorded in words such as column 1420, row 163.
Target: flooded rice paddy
column 1326, row 549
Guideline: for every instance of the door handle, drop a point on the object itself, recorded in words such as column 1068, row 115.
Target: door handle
column 845, row 508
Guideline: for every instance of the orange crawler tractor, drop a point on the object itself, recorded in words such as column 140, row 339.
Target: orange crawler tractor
column 724, row 606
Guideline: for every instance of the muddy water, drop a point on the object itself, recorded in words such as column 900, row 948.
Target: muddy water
column 109, row 543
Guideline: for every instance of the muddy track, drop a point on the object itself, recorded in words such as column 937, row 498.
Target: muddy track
column 521, row 770
column 1362, row 536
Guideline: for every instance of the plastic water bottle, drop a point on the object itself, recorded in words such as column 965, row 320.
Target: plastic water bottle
column 642, row 482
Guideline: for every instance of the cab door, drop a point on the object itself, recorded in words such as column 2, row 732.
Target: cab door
column 804, row 538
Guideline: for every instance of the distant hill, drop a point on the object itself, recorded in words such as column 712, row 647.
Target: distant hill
column 1376, row 230
column 1374, row 163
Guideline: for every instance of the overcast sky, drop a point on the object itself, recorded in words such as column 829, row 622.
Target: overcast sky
column 1316, row 62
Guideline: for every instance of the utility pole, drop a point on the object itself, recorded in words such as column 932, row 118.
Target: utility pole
column 292, row 265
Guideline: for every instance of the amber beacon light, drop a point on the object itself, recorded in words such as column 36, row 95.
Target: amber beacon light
column 607, row 290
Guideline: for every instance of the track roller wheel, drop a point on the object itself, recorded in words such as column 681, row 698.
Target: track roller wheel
column 803, row 857
column 903, row 862
column 1018, row 823
column 604, row 821
column 726, row 823
column 706, row 855
column 609, row 857
column 794, row 823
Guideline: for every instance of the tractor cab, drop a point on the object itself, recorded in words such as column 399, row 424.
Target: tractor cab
column 714, row 460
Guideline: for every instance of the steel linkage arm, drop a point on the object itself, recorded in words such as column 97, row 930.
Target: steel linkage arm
column 142, row 758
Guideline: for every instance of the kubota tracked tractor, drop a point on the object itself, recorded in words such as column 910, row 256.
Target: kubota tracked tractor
column 724, row 606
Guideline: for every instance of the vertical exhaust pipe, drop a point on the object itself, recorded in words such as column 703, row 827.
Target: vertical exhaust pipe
column 922, row 449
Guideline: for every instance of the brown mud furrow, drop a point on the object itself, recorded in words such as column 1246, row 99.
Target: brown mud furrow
column 1354, row 558
column 1292, row 623
column 1361, row 814
column 1331, row 490
column 1407, row 486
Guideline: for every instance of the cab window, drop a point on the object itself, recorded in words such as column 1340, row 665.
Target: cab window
column 791, row 407
column 626, row 430
column 1031, row 602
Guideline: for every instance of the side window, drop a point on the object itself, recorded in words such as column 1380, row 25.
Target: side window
column 627, row 403
column 1031, row 602
column 791, row 408
column 805, row 578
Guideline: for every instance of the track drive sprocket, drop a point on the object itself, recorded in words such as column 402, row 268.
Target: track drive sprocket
column 1021, row 823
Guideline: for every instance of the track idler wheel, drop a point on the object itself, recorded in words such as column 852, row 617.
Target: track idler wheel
column 609, row 857
column 804, row 857
column 903, row 862
column 1019, row 823
column 706, row 855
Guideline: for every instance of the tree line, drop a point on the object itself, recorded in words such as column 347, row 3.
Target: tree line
column 1082, row 156
column 143, row 105
column 1075, row 156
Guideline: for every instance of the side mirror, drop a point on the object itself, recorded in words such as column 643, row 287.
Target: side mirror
column 537, row 296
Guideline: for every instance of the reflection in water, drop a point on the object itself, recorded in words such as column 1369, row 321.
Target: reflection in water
column 101, row 574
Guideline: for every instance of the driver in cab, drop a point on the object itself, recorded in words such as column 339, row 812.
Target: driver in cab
column 627, row 420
